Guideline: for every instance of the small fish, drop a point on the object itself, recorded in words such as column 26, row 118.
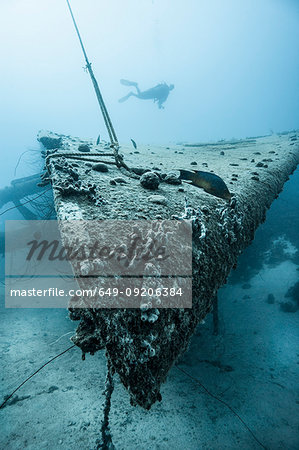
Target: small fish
column 98, row 140
column 209, row 182
column 134, row 143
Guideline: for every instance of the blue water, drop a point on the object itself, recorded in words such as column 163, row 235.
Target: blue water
column 235, row 69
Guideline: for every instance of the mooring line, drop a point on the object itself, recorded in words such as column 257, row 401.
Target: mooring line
column 27, row 379
column 224, row 403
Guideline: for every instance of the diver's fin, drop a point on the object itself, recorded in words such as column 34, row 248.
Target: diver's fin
column 123, row 99
column 128, row 83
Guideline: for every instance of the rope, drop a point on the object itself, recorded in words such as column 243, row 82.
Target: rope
column 24, row 203
column 81, row 158
column 224, row 403
column 112, row 135
column 27, row 379
column 105, row 441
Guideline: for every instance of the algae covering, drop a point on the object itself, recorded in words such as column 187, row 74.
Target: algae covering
column 88, row 187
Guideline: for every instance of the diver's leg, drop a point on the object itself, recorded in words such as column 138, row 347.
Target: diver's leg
column 130, row 94
column 131, row 83
column 137, row 88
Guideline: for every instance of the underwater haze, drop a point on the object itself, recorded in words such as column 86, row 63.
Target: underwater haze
column 234, row 65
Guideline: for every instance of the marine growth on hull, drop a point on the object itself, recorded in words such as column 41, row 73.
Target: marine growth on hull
column 142, row 344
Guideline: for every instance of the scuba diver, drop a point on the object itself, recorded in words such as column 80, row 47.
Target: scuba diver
column 158, row 93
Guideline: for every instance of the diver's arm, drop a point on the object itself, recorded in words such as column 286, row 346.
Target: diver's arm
column 162, row 100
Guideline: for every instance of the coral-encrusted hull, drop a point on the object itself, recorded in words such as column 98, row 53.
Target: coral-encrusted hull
column 254, row 171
